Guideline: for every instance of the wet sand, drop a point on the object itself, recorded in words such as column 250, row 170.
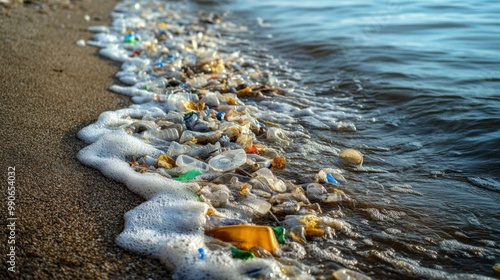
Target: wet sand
column 68, row 215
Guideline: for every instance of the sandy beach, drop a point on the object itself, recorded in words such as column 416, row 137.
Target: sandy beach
column 67, row 215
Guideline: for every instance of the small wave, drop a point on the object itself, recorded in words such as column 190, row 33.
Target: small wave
column 485, row 183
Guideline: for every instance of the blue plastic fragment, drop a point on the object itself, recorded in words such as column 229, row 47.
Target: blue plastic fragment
column 221, row 115
column 332, row 180
column 202, row 253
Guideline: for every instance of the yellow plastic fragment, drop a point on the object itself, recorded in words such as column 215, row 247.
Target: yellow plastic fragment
column 163, row 24
column 164, row 161
column 314, row 232
column 247, row 236
column 231, row 101
column 150, row 46
column 213, row 212
column 245, row 189
column 311, row 224
column 244, row 92
column 190, row 105
column 219, row 67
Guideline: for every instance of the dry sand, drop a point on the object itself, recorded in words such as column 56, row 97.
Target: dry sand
column 68, row 214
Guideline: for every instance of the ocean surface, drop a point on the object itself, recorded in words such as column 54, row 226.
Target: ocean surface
column 415, row 86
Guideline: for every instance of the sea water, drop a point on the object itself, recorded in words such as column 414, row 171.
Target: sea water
column 410, row 85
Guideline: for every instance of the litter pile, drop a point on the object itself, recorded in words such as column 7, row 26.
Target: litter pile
column 195, row 122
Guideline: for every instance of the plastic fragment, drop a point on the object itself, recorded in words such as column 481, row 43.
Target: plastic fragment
column 228, row 160
column 188, row 175
column 130, row 38
column 164, row 161
column 280, row 233
column 247, row 236
column 252, row 150
column 331, row 179
column 312, row 225
column 191, row 163
column 147, row 161
column 202, row 255
column 241, row 254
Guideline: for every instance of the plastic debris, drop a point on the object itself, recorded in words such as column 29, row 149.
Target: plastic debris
column 332, row 179
column 229, row 160
column 247, row 236
column 193, row 117
column 191, row 163
column 164, row 161
column 188, row 175
column 241, row 254
column 201, row 253
column 280, row 233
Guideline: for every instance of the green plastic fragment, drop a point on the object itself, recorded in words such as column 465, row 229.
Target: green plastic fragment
column 188, row 175
column 241, row 254
column 130, row 38
column 279, row 232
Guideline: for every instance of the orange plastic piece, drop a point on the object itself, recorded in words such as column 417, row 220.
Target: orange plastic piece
column 252, row 150
column 247, row 236
column 278, row 162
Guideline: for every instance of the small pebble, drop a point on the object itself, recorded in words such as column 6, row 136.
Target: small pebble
column 496, row 268
column 81, row 43
column 351, row 156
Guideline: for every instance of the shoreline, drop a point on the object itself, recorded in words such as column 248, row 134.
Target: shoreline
column 68, row 215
